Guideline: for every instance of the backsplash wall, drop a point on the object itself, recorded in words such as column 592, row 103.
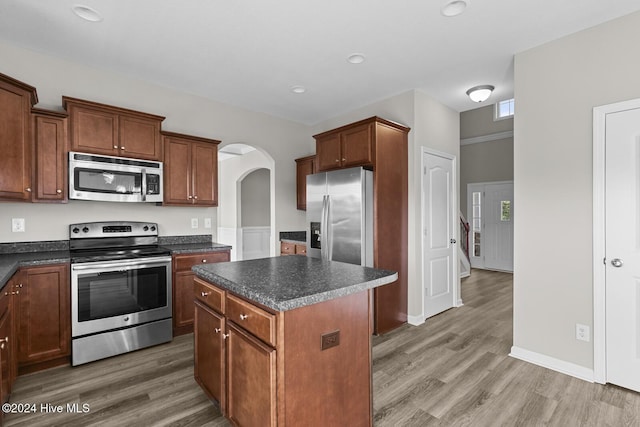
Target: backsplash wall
column 51, row 221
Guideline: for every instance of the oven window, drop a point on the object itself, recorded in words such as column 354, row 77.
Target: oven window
column 107, row 181
column 116, row 293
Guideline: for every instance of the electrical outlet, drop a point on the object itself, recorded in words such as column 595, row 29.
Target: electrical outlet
column 194, row 222
column 17, row 225
column 582, row 332
column 207, row 223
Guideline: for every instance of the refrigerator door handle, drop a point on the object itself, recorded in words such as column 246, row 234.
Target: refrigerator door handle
column 323, row 229
column 329, row 230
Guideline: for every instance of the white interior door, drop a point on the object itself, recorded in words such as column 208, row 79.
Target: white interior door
column 622, row 248
column 498, row 226
column 438, row 234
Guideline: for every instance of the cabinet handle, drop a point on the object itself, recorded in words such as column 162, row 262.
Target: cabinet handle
column 244, row 316
column 189, row 197
column 19, row 286
column 337, row 160
column 344, row 160
column 225, row 336
column 28, row 189
column 59, row 191
column 217, row 330
column 115, row 147
column 2, row 346
column 122, row 148
column 204, row 260
column 204, row 294
column 4, row 340
column 195, row 197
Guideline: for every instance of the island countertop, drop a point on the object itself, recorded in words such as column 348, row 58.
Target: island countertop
column 288, row 282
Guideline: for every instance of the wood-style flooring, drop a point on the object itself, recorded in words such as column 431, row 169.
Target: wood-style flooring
column 452, row 371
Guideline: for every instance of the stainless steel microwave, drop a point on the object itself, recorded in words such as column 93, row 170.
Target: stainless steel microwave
column 114, row 179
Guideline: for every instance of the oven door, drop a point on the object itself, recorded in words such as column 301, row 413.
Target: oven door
column 108, row 295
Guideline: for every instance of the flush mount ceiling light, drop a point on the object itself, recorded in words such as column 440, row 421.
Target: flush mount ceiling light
column 480, row 93
column 454, row 7
column 298, row 89
column 86, row 13
column 356, row 58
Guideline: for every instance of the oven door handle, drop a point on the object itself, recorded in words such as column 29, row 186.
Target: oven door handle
column 143, row 262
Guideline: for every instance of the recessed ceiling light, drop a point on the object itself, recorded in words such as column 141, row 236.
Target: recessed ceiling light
column 454, row 7
column 86, row 13
column 356, row 58
column 298, row 89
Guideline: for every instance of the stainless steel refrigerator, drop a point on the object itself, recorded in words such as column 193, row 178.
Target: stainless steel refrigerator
column 340, row 216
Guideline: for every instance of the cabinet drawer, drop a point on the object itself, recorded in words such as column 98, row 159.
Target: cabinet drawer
column 301, row 249
column 185, row 262
column 209, row 295
column 287, row 248
column 253, row 319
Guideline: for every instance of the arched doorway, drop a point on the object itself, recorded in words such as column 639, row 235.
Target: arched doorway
column 243, row 165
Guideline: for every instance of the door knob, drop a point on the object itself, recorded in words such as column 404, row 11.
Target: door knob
column 452, row 241
column 617, row 262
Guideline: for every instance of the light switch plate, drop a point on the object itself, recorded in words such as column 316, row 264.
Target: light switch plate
column 207, row 223
column 194, row 222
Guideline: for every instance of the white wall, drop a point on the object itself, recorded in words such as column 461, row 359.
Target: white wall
column 556, row 87
column 432, row 125
column 53, row 77
column 256, row 199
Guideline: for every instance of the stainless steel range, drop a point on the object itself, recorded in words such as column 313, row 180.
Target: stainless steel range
column 120, row 289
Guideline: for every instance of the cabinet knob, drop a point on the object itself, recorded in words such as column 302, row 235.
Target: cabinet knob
column 217, row 330
column 244, row 316
column 344, row 160
column 115, row 147
column 2, row 346
column 337, row 160
column 59, row 191
column 28, row 189
column 189, row 197
column 225, row 336
column 195, row 197
column 204, row 294
column 4, row 340
column 122, row 148
column 204, row 260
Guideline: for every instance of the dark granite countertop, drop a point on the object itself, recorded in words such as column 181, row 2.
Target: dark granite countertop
column 9, row 263
column 288, row 282
column 186, row 248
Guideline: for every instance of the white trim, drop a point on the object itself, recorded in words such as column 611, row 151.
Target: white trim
column 455, row 209
column 415, row 320
column 552, row 363
column 599, row 251
column 486, row 138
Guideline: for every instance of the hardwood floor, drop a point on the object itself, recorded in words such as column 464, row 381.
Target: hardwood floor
column 452, row 371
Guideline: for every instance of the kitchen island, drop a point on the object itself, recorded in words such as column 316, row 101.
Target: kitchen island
column 286, row 340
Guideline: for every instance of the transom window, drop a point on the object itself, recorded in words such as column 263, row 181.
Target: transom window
column 504, row 109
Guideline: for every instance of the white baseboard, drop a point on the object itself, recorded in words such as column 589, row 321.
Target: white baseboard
column 554, row 364
column 415, row 320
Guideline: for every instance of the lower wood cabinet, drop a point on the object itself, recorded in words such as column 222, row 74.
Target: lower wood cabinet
column 7, row 341
column 307, row 366
column 287, row 248
column 43, row 317
column 183, row 309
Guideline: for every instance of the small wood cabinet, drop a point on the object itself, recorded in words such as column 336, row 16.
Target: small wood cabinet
column 50, row 136
column 16, row 146
column 209, row 357
column 8, row 367
column 43, row 317
column 183, row 308
column 104, row 129
column 353, row 146
column 287, row 248
column 190, row 170
column 304, row 166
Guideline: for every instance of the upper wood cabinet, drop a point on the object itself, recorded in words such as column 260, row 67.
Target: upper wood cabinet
column 16, row 100
column 304, row 166
column 105, row 129
column 190, row 170
column 346, row 147
column 50, row 136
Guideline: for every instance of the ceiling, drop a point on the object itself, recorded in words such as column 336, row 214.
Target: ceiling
column 250, row 53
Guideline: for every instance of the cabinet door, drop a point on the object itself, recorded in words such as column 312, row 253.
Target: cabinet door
column 357, row 147
column 328, row 152
column 204, row 162
column 251, row 380
column 15, row 144
column 5, row 367
column 209, row 357
column 177, row 171
column 182, row 300
column 44, row 331
column 94, row 131
column 304, row 167
column 287, row 248
column 51, row 163
column 140, row 138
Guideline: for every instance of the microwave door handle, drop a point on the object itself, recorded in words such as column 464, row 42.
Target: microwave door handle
column 144, row 185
